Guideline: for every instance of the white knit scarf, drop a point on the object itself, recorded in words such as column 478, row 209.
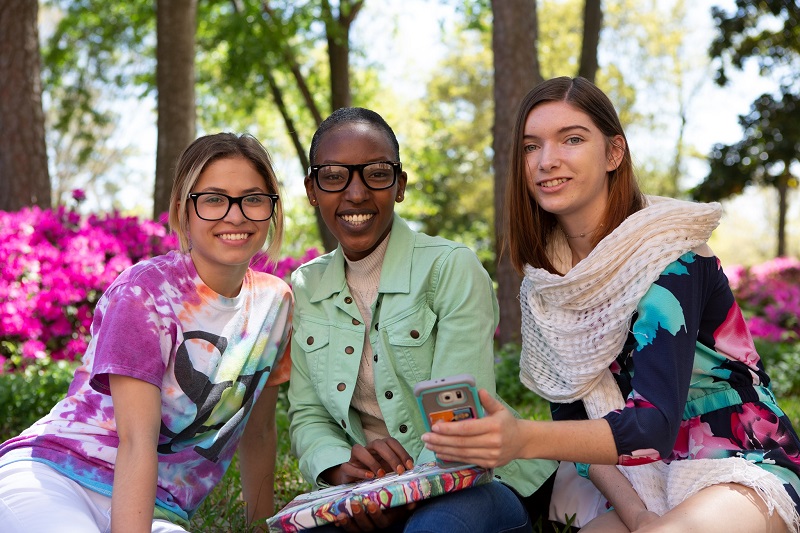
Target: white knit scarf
column 575, row 325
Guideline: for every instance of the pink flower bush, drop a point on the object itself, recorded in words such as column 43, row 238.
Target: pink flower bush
column 769, row 295
column 56, row 264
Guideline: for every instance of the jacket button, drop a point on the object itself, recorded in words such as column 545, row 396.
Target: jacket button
column 349, row 350
column 414, row 334
column 340, row 387
column 403, row 428
column 310, row 341
column 348, row 300
column 388, row 394
column 356, row 322
column 375, row 358
column 343, row 424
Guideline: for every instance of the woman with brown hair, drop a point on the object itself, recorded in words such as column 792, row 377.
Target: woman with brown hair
column 632, row 333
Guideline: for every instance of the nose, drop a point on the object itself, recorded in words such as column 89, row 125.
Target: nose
column 357, row 191
column 235, row 213
column 548, row 158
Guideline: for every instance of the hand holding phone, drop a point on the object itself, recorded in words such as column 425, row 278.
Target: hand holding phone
column 449, row 399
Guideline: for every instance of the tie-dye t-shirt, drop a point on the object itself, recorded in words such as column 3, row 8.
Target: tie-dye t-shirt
column 696, row 387
column 210, row 356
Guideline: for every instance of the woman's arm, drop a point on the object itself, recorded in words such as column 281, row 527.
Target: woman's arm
column 499, row 438
column 137, row 413
column 619, row 492
column 257, row 452
column 467, row 316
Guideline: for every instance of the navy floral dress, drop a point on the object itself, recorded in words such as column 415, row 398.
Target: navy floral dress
column 695, row 385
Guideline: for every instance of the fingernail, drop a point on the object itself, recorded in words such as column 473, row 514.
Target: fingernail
column 381, row 472
column 369, row 475
column 400, row 469
column 409, row 464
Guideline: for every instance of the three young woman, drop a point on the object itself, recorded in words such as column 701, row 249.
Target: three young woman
column 186, row 354
column 630, row 329
column 389, row 308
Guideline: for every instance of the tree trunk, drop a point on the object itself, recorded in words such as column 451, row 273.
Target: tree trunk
column 516, row 71
column 176, row 24
column 783, row 206
column 337, row 31
column 592, row 23
column 24, row 177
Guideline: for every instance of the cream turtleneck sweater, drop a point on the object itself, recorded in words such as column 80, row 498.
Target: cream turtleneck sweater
column 363, row 278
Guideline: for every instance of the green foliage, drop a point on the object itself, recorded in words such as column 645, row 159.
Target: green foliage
column 781, row 361
column 767, row 31
column 506, row 370
column 763, row 157
column 29, row 394
column 449, row 155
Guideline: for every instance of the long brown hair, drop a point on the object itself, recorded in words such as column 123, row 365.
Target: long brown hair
column 527, row 225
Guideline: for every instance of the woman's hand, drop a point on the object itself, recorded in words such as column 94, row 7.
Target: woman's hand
column 375, row 459
column 369, row 516
column 368, row 462
column 491, row 441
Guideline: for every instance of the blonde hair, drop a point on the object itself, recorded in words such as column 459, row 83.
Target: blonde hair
column 204, row 151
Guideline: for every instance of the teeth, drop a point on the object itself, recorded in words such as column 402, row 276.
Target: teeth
column 233, row 236
column 553, row 183
column 356, row 219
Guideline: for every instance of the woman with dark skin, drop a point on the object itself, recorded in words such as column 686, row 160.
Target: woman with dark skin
column 389, row 308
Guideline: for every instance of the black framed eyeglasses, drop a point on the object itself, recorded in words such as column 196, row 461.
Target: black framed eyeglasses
column 377, row 176
column 215, row 205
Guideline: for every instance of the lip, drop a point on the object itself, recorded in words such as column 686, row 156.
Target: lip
column 357, row 220
column 552, row 184
column 234, row 237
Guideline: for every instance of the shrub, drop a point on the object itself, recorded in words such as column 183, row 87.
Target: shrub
column 769, row 295
column 57, row 263
column 28, row 395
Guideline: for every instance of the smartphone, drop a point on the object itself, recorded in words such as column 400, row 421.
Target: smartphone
column 448, row 400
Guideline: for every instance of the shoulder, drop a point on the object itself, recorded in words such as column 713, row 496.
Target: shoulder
column 423, row 241
column 150, row 274
column 264, row 282
column 312, row 270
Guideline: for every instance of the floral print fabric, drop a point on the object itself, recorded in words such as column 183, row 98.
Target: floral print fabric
column 695, row 385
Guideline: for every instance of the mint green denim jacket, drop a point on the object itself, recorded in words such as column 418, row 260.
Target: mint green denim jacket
column 435, row 316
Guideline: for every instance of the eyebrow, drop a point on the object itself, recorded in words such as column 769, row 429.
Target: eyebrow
column 252, row 190
column 563, row 130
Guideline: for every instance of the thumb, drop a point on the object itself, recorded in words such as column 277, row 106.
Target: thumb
column 490, row 404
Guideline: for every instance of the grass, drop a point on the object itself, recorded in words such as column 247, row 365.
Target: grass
column 223, row 510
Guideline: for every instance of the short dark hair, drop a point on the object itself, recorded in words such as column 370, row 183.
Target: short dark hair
column 348, row 115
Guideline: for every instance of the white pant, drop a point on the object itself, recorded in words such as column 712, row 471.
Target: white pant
column 35, row 498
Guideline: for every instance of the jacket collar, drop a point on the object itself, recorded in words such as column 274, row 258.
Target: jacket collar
column 395, row 272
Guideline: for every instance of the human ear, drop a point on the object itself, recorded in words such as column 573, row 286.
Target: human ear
column 310, row 193
column 616, row 151
column 402, row 180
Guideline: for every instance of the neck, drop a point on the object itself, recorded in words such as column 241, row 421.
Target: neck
column 224, row 280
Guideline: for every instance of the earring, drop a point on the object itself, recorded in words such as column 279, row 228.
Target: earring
column 313, row 201
column 399, row 197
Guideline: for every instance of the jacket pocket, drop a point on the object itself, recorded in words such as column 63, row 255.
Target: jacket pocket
column 412, row 328
column 312, row 336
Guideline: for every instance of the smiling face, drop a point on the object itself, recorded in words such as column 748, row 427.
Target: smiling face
column 568, row 160
column 222, row 249
column 359, row 218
